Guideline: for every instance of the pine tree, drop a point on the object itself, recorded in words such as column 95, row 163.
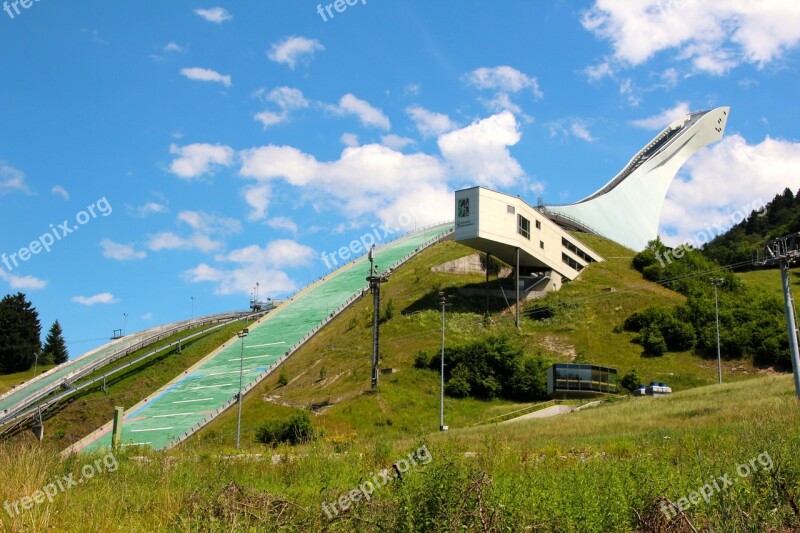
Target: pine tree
column 55, row 349
column 20, row 334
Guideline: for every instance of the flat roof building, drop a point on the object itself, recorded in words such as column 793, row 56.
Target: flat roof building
column 572, row 380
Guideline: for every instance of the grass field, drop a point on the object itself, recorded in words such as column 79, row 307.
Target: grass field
column 617, row 467
column 9, row 381
column 770, row 280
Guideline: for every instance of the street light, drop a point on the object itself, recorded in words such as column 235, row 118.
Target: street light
column 192, row 306
column 442, row 427
column 125, row 324
column 242, row 334
column 716, row 282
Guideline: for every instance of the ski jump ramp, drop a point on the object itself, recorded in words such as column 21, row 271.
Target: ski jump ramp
column 202, row 392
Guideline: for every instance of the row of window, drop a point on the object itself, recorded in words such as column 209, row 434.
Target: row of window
column 567, row 260
column 577, row 251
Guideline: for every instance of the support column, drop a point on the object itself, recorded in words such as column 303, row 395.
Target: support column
column 517, row 283
column 116, row 432
column 488, row 261
column 791, row 324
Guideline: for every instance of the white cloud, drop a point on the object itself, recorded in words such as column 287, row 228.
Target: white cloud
column 58, row 190
column 429, row 123
column 257, row 197
column 294, row 49
column 104, row 298
column 147, row 316
column 120, row 252
column 284, row 223
column 287, row 99
column 147, row 209
column 599, row 71
column 217, row 15
column 664, row 118
column 208, row 224
column 504, row 79
column 280, row 253
column 12, row 180
column 396, row 142
column 713, row 36
column 206, row 74
column 272, row 161
column 195, row 160
column 349, row 139
column 173, row 47
column 727, row 178
column 242, row 280
column 22, row 283
column 368, row 115
column 580, row 129
column 168, row 240
column 479, row 152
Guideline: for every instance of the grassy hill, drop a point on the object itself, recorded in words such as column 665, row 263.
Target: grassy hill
column 617, row 467
column 331, row 374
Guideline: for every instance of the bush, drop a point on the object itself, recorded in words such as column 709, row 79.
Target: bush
column 295, row 430
column 630, row 381
column 422, row 360
column 653, row 341
column 458, row 386
column 283, row 379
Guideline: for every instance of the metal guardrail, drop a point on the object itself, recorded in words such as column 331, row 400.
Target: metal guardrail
column 21, row 412
column 274, row 366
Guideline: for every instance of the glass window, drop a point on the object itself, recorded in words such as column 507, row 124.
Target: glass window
column 538, row 224
column 524, row 226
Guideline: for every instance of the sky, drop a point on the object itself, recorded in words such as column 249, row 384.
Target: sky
column 159, row 159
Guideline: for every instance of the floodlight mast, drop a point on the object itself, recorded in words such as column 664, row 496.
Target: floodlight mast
column 375, row 281
column 785, row 252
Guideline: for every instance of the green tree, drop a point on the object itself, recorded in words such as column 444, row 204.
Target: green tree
column 55, row 349
column 20, row 334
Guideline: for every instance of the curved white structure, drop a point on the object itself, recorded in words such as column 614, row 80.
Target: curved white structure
column 628, row 208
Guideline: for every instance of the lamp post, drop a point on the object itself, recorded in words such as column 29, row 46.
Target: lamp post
column 442, row 427
column 192, row 306
column 716, row 282
column 125, row 324
column 242, row 334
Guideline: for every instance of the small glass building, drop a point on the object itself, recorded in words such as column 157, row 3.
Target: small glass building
column 569, row 380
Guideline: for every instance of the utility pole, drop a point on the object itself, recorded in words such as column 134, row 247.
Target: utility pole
column 785, row 252
column 375, row 281
column 716, row 282
column 442, row 427
column 242, row 334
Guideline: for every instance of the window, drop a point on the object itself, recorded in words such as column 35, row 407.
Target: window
column 524, row 227
column 538, row 224
column 577, row 251
column 541, row 245
column 510, row 209
column 567, row 260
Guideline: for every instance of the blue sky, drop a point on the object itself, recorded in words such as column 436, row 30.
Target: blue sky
column 222, row 145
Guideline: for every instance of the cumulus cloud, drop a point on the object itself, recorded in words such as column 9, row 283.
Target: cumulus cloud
column 120, row 252
column 396, row 142
column 195, row 160
column 713, row 37
column 147, row 209
column 208, row 224
column 664, row 118
column 257, row 197
column 206, row 74
column 369, row 116
column 294, row 49
column 22, row 283
column 480, row 152
column 104, row 298
column 283, row 223
column 726, row 180
column 429, row 123
column 286, row 99
column 504, row 81
column 217, row 15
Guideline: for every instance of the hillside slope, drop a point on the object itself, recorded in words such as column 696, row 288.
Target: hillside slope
column 331, row 374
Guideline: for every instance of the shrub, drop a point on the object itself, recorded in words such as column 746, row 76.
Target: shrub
column 295, row 430
column 283, row 379
column 630, row 381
